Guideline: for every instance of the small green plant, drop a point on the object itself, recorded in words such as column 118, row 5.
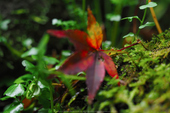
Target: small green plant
column 142, row 25
column 115, row 17
column 34, row 84
column 64, row 24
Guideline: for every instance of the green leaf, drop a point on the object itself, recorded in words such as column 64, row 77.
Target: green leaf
column 47, row 59
column 3, row 39
column 45, row 110
column 43, row 42
column 50, row 60
column 131, row 18
column 106, row 44
column 66, row 53
column 5, row 98
column 109, row 93
column 72, row 77
column 66, row 24
column 147, row 24
column 15, row 90
column 44, row 98
column 4, row 24
column 28, row 66
column 32, row 51
column 43, row 84
column 27, row 42
column 34, row 57
column 118, row 2
column 134, row 92
column 113, row 17
column 150, row 4
column 104, row 104
column 33, row 90
column 20, row 11
column 24, row 78
column 129, row 35
column 73, row 98
column 56, row 22
column 44, row 102
column 14, row 108
column 39, row 19
column 42, row 46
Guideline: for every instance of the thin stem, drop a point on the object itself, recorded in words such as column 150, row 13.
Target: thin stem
column 138, row 41
column 88, row 108
column 144, row 15
column 155, row 19
column 17, row 53
column 51, row 97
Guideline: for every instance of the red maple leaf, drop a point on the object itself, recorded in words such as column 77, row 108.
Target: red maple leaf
column 88, row 56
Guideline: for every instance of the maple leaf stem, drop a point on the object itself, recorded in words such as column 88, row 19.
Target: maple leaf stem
column 138, row 41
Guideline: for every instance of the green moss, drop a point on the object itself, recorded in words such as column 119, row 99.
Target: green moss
column 146, row 75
